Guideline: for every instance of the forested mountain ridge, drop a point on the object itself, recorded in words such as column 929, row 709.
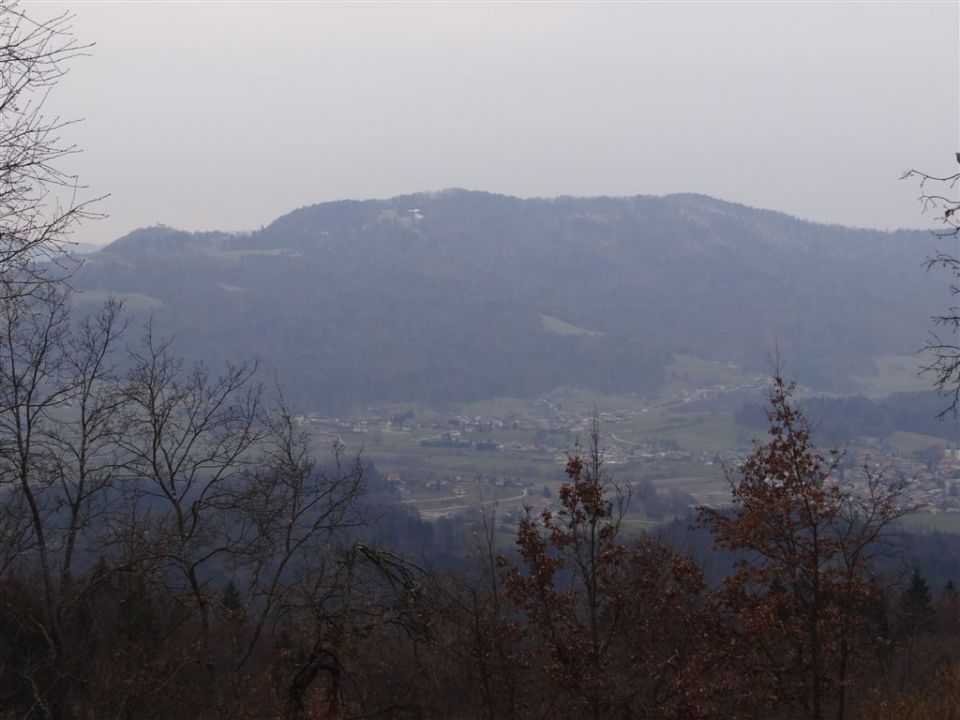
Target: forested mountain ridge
column 459, row 295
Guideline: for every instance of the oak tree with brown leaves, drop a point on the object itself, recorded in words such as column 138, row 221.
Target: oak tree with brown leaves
column 623, row 630
column 804, row 588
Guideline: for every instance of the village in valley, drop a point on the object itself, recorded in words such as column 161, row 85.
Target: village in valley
column 674, row 451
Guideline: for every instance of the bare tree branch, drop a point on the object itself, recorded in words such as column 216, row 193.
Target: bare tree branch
column 939, row 195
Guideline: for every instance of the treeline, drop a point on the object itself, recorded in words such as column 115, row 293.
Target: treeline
column 839, row 420
column 170, row 548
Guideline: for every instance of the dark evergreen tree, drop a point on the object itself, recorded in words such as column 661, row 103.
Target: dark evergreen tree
column 948, row 610
column 916, row 607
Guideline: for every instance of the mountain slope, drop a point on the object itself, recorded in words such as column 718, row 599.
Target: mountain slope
column 459, row 295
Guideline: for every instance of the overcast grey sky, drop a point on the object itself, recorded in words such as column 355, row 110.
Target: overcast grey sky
column 227, row 115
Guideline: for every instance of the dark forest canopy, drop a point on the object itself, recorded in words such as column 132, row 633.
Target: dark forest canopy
column 455, row 296
column 838, row 420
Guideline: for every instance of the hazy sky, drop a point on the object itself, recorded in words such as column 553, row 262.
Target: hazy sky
column 227, row 115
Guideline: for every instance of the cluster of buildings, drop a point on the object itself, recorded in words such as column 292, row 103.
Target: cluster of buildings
column 931, row 476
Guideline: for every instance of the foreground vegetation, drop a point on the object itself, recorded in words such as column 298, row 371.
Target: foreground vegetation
column 170, row 549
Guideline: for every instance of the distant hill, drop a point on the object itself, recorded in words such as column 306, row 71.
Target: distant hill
column 458, row 295
column 82, row 248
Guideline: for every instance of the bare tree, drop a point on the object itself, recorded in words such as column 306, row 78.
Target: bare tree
column 53, row 479
column 306, row 581
column 31, row 365
column 39, row 202
column 186, row 443
column 938, row 194
column 44, row 507
column 83, row 441
column 297, row 511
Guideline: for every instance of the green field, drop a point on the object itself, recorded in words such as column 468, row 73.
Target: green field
column 696, row 432
column 686, row 373
column 560, row 327
column 894, row 373
column 944, row 522
column 907, row 442
column 585, row 401
column 500, row 407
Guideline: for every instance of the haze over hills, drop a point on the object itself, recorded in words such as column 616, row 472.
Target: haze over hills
column 457, row 295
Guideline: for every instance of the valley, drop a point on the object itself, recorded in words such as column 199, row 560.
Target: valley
column 672, row 449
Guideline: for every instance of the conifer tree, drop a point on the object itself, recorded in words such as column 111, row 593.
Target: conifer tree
column 916, row 607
